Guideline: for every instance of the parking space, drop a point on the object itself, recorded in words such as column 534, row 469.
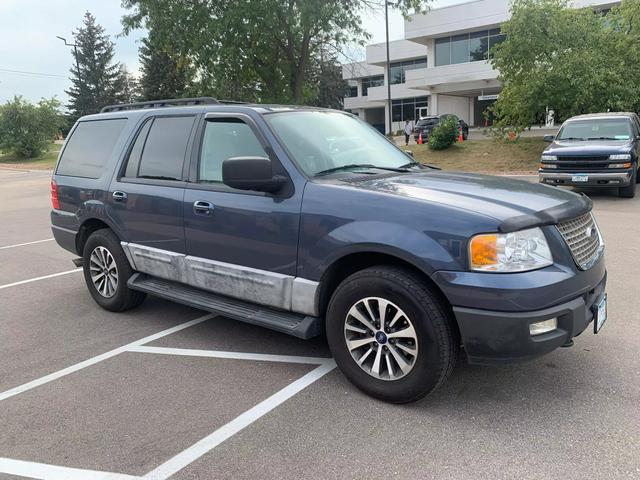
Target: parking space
column 166, row 391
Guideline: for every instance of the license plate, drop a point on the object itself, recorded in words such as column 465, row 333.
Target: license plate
column 601, row 314
column 579, row 178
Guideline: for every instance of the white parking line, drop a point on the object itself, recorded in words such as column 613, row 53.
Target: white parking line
column 209, row 442
column 22, row 282
column 99, row 358
column 26, row 243
column 53, row 472
column 260, row 357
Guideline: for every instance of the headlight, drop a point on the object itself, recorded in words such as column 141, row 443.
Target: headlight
column 620, row 165
column 548, row 165
column 509, row 252
column 548, row 158
column 621, row 156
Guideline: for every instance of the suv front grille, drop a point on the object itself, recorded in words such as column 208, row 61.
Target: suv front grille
column 583, row 238
column 583, row 164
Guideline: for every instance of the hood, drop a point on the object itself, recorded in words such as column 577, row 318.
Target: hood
column 516, row 204
column 589, row 147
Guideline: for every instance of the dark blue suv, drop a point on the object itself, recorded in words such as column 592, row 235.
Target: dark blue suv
column 594, row 150
column 237, row 209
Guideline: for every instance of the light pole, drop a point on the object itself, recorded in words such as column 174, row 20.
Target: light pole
column 75, row 52
column 386, row 22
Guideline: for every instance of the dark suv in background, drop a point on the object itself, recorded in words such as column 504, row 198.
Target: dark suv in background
column 595, row 150
column 426, row 125
column 236, row 209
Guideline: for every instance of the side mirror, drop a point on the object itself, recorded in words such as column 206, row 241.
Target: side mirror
column 251, row 173
column 549, row 138
column 409, row 152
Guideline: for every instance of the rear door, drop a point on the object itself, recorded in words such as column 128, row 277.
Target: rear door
column 145, row 198
column 239, row 243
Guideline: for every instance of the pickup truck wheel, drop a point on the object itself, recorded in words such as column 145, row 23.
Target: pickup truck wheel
column 106, row 272
column 390, row 334
column 630, row 190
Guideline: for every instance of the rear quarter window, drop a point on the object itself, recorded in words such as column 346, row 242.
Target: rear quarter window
column 89, row 148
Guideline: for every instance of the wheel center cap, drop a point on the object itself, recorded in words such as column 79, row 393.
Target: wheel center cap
column 381, row 337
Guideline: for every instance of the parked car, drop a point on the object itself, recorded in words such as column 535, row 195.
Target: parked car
column 426, row 125
column 595, row 150
column 236, row 209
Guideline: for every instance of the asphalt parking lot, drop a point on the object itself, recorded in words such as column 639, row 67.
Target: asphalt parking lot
column 166, row 391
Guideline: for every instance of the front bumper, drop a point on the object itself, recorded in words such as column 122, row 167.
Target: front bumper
column 595, row 179
column 497, row 337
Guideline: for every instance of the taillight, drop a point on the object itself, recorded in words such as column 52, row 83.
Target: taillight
column 55, row 203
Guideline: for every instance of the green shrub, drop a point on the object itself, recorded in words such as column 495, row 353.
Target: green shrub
column 27, row 129
column 444, row 135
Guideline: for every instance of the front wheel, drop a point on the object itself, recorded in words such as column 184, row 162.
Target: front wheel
column 106, row 272
column 630, row 190
column 391, row 335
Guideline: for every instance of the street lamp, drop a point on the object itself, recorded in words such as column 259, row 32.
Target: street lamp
column 75, row 52
column 386, row 22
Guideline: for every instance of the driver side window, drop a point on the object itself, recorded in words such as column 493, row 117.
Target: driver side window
column 225, row 138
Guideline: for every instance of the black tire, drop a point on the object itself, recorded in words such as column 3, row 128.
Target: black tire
column 432, row 319
column 123, row 298
column 630, row 190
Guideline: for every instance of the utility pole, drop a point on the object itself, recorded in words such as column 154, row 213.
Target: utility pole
column 386, row 21
column 75, row 52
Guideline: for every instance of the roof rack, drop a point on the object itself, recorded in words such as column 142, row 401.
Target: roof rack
column 172, row 102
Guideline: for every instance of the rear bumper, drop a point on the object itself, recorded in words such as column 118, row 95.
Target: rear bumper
column 596, row 179
column 498, row 337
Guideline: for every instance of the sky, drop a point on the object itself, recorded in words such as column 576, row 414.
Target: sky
column 35, row 64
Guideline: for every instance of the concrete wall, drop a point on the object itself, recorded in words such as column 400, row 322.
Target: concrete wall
column 398, row 50
column 459, row 106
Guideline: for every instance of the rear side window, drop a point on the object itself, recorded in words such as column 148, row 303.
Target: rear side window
column 89, row 148
column 163, row 151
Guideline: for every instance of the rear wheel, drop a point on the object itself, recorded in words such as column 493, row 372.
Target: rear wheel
column 630, row 190
column 106, row 272
column 390, row 334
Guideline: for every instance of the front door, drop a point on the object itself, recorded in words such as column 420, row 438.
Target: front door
column 239, row 243
column 145, row 198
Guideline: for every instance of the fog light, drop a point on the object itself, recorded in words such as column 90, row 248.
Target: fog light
column 538, row 328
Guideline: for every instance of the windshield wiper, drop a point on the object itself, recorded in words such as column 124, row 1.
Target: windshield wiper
column 356, row 165
column 603, row 138
column 572, row 138
column 418, row 164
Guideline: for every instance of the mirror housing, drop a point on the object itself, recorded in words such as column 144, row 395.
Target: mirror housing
column 251, row 173
column 549, row 138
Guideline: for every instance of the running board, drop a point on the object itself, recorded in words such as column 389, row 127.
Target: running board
column 298, row 325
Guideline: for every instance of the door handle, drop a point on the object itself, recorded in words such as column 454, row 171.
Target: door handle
column 201, row 207
column 119, row 196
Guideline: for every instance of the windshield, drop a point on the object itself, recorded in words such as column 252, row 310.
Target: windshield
column 322, row 141
column 427, row 121
column 596, row 129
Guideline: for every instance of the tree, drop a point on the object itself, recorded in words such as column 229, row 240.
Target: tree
column 101, row 81
column 257, row 50
column 327, row 83
column 562, row 58
column 27, row 129
column 164, row 74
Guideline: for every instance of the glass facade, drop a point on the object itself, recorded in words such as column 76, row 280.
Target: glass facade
column 405, row 108
column 368, row 82
column 469, row 47
column 399, row 68
column 351, row 91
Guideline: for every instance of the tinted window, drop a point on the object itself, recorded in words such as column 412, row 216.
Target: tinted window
column 596, row 129
column 460, row 49
column 443, row 51
column 478, row 46
column 226, row 138
column 89, row 148
column 164, row 150
column 136, row 151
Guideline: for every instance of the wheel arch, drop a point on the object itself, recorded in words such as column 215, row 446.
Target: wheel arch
column 87, row 227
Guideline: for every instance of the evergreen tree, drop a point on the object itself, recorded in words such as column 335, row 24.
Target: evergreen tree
column 164, row 75
column 100, row 81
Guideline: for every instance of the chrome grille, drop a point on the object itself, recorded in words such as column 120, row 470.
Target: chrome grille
column 583, row 238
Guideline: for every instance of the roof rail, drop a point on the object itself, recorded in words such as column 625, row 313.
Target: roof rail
column 163, row 103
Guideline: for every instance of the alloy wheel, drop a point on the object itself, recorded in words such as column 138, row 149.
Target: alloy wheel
column 104, row 272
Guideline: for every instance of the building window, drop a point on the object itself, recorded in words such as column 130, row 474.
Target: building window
column 398, row 69
column 351, row 91
column 469, row 47
column 368, row 82
column 406, row 108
